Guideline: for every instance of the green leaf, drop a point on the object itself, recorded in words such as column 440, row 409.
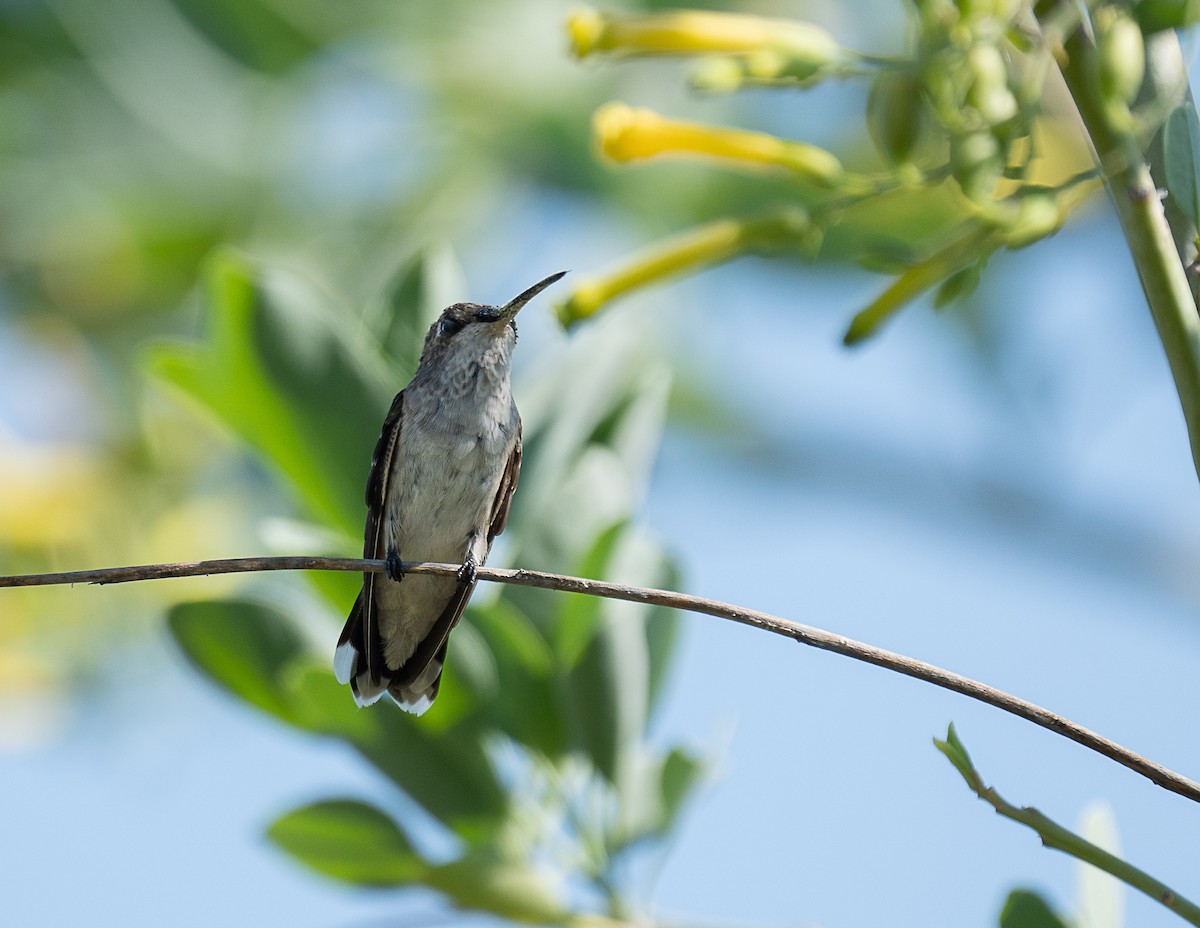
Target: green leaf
column 959, row 285
column 680, row 775
column 295, row 536
column 640, row 561
column 883, row 255
column 1181, row 154
column 661, row 628
column 245, row 647
column 1024, row 908
column 527, row 705
column 968, row 246
column 512, row 637
column 349, row 840
column 613, row 660
column 424, row 286
column 252, row 33
column 593, row 431
column 577, row 619
column 448, row 770
column 509, row 889
column 472, row 667
column 609, row 690
column 652, row 794
column 590, row 444
column 334, row 386
column 636, row 433
column 957, row 754
column 895, row 114
column 338, row 587
column 902, row 291
column 1157, row 15
column 286, row 375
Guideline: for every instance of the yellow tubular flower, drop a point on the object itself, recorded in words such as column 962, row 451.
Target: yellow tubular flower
column 694, row 32
column 623, row 134
column 710, row 244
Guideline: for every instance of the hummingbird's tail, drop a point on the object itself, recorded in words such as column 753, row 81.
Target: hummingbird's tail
column 419, row 695
column 350, row 666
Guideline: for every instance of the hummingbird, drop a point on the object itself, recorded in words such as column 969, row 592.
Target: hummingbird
column 440, row 486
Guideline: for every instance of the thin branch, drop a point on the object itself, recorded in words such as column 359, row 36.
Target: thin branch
column 805, row 634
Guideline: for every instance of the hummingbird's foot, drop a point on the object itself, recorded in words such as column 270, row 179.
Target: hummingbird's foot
column 393, row 565
column 466, row 573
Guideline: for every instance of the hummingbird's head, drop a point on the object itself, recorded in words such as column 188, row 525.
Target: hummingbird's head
column 472, row 332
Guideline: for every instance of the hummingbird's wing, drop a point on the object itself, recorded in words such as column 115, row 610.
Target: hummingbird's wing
column 435, row 642
column 361, row 634
column 504, row 493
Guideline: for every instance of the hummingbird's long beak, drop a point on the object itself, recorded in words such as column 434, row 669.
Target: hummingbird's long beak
column 513, row 306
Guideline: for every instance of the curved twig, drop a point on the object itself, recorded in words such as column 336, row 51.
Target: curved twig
column 805, row 634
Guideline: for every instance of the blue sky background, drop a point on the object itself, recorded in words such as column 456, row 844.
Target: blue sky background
column 1045, row 551
column 1016, row 503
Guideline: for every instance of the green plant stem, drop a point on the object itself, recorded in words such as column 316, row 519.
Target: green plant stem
column 1140, row 211
column 1058, row 838
column 1054, row 836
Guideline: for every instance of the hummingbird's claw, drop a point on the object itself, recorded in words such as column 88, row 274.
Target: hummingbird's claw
column 466, row 573
column 393, row 565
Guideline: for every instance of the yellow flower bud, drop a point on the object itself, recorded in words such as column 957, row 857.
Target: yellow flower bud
column 624, row 133
column 701, row 247
column 586, row 29
column 696, row 32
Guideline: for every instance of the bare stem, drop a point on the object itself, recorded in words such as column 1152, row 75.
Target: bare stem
column 805, row 634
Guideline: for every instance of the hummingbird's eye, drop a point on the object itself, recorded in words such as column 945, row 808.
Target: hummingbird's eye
column 449, row 326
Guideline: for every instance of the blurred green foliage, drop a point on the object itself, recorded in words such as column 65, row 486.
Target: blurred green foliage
column 536, row 759
column 298, row 159
column 1026, row 909
column 137, row 140
column 279, row 154
column 973, row 155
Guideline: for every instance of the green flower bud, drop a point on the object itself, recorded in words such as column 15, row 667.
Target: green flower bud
column 989, row 93
column 719, row 75
column 987, row 65
column 1120, row 55
column 990, row 17
column 894, row 114
column 976, row 163
column 1038, row 217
